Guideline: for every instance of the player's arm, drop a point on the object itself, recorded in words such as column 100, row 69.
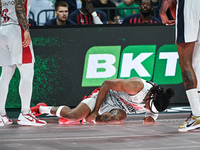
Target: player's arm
column 22, row 18
column 163, row 10
column 130, row 86
column 0, row 8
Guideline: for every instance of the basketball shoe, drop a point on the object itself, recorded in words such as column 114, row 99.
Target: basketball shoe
column 35, row 110
column 30, row 119
column 6, row 120
column 1, row 121
column 190, row 124
column 65, row 121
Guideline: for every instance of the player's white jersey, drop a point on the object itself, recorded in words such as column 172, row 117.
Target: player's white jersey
column 8, row 12
column 129, row 103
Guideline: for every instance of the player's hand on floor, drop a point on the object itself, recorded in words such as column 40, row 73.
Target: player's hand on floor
column 92, row 117
column 148, row 120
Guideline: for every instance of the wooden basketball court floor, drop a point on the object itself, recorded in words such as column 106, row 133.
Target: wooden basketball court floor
column 131, row 135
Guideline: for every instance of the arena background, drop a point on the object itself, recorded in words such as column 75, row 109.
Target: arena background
column 61, row 52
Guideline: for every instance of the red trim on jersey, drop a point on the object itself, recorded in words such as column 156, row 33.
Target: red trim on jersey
column 78, row 20
column 26, row 51
column 86, row 19
column 99, row 16
column 95, row 91
column 25, row 6
column 90, row 22
column 139, row 20
column 82, row 20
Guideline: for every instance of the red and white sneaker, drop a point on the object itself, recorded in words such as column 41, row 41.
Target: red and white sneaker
column 65, row 121
column 6, row 120
column 30, row 119
column 35, row 110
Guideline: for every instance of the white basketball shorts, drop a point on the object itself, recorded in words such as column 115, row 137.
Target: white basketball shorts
column 187, row 21
column 11, row 50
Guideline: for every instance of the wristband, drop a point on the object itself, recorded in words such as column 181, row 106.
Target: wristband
column 59, row 110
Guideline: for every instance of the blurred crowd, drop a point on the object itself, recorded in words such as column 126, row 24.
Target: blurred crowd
column 84, row 12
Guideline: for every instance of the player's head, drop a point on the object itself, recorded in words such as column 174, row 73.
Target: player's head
column 159, row 99
column 145, row 7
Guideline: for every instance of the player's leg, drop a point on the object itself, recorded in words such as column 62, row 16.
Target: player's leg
column 25, row 91
column 115, row 116
column 26, row 85
column 6, row 76
column 76, row 114
column 185, row 51
column 196, row 66
column 73, row 114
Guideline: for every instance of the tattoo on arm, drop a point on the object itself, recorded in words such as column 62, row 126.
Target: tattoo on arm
column 21, row 14
column 188, row 79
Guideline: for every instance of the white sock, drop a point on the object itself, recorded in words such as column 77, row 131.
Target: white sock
column 193, row 98
column 196, row 66
column 45, row 109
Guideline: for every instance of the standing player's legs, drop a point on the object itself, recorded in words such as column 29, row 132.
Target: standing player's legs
column 196, row 65
column 187, row 33
column 6, row 76
column 25, row 91
column 185, row 51
column 26, row 85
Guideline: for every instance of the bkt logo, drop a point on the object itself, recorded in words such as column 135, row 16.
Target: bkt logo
column 108, row 62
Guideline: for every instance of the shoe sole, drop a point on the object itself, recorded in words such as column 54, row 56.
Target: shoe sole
column 189, row 128
column 25, row 123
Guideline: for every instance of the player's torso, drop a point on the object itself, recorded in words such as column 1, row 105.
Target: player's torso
column 130, row 103
column 9, row 14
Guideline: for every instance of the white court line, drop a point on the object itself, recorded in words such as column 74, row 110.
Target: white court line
column 167, row 148
column 82, row 138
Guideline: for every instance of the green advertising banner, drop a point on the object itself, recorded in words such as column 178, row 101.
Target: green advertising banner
column 72, row 61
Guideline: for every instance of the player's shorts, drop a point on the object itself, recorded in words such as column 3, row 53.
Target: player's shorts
column 11, row 50
column 106, row 106
column 187, row 21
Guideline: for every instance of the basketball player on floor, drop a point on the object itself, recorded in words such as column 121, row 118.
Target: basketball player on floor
column 16, row 51
column 187, row 33
column 113, row 101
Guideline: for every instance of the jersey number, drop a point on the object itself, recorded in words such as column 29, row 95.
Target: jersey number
column 5, row 17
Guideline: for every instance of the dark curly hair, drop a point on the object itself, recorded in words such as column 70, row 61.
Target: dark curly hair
column 160, row 97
